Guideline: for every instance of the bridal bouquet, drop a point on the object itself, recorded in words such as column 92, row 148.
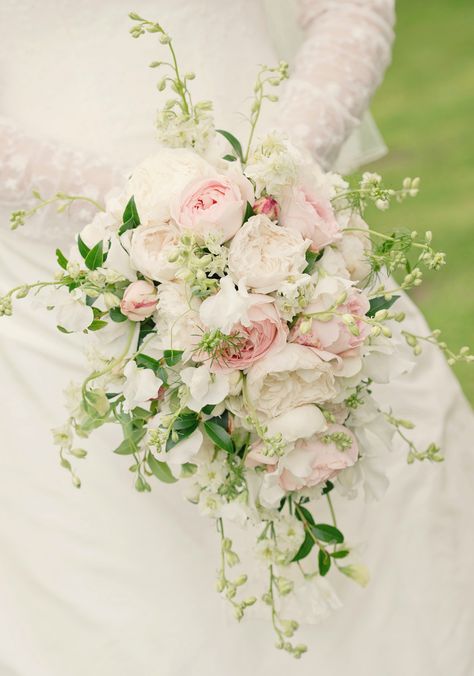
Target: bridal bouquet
column 236, row 316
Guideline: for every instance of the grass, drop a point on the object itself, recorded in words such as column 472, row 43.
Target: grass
column 425, row 110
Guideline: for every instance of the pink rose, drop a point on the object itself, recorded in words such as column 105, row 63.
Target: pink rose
column 312, row 216
column 334, row 336
column 268, row 206
column 263, row 332
column 139, row 300
column 213, row 206
column 318, row 459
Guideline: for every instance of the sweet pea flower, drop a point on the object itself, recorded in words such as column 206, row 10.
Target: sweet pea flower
column 141, row 385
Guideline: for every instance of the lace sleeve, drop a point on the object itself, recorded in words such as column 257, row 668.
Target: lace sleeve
column 27, row 163
column 346, row 49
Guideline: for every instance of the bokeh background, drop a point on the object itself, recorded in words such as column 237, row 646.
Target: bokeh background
column 425, row 110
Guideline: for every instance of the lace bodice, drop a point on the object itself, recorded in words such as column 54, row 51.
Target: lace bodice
column 78, row 101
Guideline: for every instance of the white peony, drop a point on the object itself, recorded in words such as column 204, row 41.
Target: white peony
column 264, row 255
column 292, row 377
column 161, row 178
column 150, row 250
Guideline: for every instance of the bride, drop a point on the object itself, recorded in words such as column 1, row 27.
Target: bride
column 105, row 581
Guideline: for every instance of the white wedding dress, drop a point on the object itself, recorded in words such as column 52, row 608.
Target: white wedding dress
column 104, row 581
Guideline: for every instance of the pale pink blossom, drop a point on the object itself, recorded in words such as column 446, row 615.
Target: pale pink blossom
column 310, row 215
column 318, row 459
column 139, row 300
column 334, row 336
column 213, row 206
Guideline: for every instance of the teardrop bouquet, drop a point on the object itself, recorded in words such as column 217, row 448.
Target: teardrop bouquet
column 237, row 311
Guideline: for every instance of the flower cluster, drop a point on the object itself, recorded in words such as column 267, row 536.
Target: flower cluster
column 235, row 322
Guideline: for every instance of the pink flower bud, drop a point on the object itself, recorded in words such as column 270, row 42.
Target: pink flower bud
column 267, row 206
column 139, row 300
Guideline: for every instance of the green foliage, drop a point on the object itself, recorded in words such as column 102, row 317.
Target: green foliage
column 130, row 218
column 380, row 303
column 95, row 256
column 160, row 469
column 219, row 436
column 234, row 142
column 172, row 357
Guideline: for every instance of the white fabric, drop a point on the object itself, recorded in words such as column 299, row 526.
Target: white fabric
column 108, row 582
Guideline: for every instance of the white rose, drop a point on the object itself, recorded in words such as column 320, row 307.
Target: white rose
column 161, row 178
column 263, row 255
column 150, row 249
column 292, row 377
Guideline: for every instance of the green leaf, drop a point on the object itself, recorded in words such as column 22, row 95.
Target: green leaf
column 172, row 357
column 83, row 248
column 146, row 327
column 131, row 213
column 183, row 427
column 116, row 315
column 380, row 303
column 128, row 225
column 219, row 436
column 229, row 158
column 130, row 444
column 249, row 212
column 96, row 325
column 160, row 470
column 311, row 258
column 307, row 515
column 207, row 410
column 95, row 257
column 327, row 533
column 61, row 258
column 63, row 330
column 328, row 487
column 235, row 143
column 341, row 554
column 305, row 548
column 324, row 562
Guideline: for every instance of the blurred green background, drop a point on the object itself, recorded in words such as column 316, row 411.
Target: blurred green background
column 425, row 111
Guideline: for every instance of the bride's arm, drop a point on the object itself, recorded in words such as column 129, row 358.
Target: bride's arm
column 346, row 50
column 27, row 164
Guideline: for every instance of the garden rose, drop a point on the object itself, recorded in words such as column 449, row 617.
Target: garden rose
column 253, row 321
column 318, row 459
column 310, row 215
column 213, row 206
column 263, row 254
column 160, row 178
column 139, row 300
column 294, row 376
column 150, row 250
